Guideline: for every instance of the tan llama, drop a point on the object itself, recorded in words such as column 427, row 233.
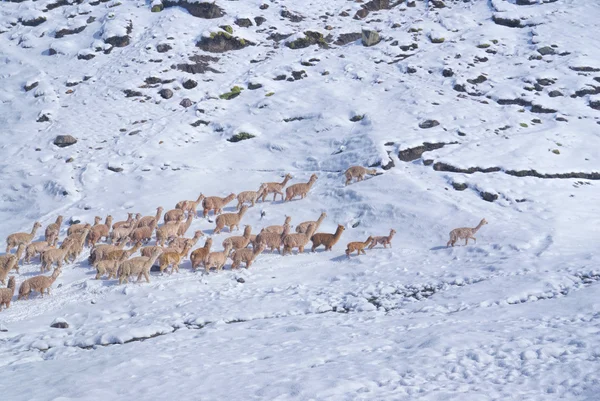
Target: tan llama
column 275, row 188
column 278, row 229
column 174, row 215
column 179, row 243
column 271, row 240
column 139, row 266
column 124, row 222
column 359, row 247
column 147, row 221
column 250, row 196
column 358, row 172
column 198, row 255
column 302, row 227
column 216, row 259
column 189, row 206
column 465, row 233
column 230, row 220
column 172, row 259
column 6, row 294
column 78, row 228
column 216, row 204
column 14, row 240
column 385, row 240
column 38, row 283
column 36, row 248
column 300, row 189
column 10, row 261
column 239, row 242
column 329, row 240
column 100, row 231
column 246, row 255
column 52, row 231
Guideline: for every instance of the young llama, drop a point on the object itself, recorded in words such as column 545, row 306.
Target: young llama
column 300, row 189
column 383, row 240
column 465, row 233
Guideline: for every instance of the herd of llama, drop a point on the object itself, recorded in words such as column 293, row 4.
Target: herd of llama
column 107, row 240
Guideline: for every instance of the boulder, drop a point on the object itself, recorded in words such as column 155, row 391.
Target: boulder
column 186, row 103
column 370, row 37
column 429, row 124
column 62, row 141
column 189, row 84
column 59, row 323
column 166, row 93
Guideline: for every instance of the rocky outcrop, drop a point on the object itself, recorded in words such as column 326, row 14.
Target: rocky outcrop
column 208, row 10
column 220, row 42
column 310, row 38
column 199, row 65
column 345, row 38
column 370, row 37
column 62, row 141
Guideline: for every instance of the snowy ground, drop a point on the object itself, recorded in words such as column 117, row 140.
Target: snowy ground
column 514, row 317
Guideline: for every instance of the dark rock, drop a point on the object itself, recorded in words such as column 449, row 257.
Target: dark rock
column 459, row 88
column 291, row 16
column 115, row 169
column 545, row 81
column 373, row 5
column 163, row 47
column 90, row 20
column 411, row 154
column 200, row 10
column 357, row 118
column 592, row 90
column 546, row 50
column 200, row 65
column 240, row 280
column 447, row 72
column 62, row 141
column 411, row 70
column 198, row 123
column 519, row 101
column 33, row 22
column 480, row 79
column 310, row 38
column 389, row 164
column 525, row 2
column 153, row 80
column 370, row 37
column 509, row 22
column 252, row 86
column 264, row 6
column 281, row 77
column 56, row 4
column 259, row 20
column 243, row 22
column 64, row 32
column 412, row 46
column 59, row 323
column 459, row 186
column 43, row 118
column 585, row 69
column 86, row 56
column 299, row 75
column 166, row 93
column 562, row 119
column 30, row 87
column 189, row 84
column 595, row 104
column 345, row 38
column 489, row 197
column 429, row 124
column 52, row 52
column 439, row 166
column 221, row 42
column 536, row 108
column 242, row 136
column 185, row 103
column 132, row 133
column 480, row 59
column 132, row 93
column 278, row 37
column 411, row 4
column 3, row 328
column 362, row 13
column 437, row 3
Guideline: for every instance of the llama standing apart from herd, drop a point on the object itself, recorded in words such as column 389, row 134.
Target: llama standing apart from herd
column 112, row 260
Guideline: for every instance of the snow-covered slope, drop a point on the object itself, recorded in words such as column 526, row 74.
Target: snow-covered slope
column 469, row 109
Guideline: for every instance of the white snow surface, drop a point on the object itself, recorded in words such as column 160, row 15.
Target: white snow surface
column 514, row 316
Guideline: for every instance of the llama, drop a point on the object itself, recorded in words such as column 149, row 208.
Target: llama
column 383, row 240
column 140, row 266
column 179, row 243
column 246, row 255
column 271, row 240
column 329, row 240
column 52, row 231
column 197, row 257
column 278, row 229
column 230, row 220
column 38, row 283
column 239, row 242
column 250, row 196
column 216, row 204
column 174, row 215
column 216, row 259
column 36, row 248
column 190, row 206
column 147, row 221
column 77, row 228
column 300, row 189
column 465, row 233
column 16, row 239
column 359, row 247
column 6, row 294
column 297, row 240
column 125, row 223
column 302, row 227
column 100, row 231
column 275, row 188
column 172, row 259
column 358, row 172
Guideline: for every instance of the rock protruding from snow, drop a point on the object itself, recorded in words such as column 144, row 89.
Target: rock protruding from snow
column 62, row 141
column 166, row 93
column 222, row 41
column 186, row 103
column 59, row 323
column 116, row 32
column 208, row 10
column 370, row 37
column 429, row 124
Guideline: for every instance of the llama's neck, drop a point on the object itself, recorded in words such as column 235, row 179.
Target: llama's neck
column 199, row 198
column 285, row 181
column 338, row 233
column 241, row 213
column 368, row 241
column 33, row 230
column 478, row 226
column 310, row 183
column 391, row 235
